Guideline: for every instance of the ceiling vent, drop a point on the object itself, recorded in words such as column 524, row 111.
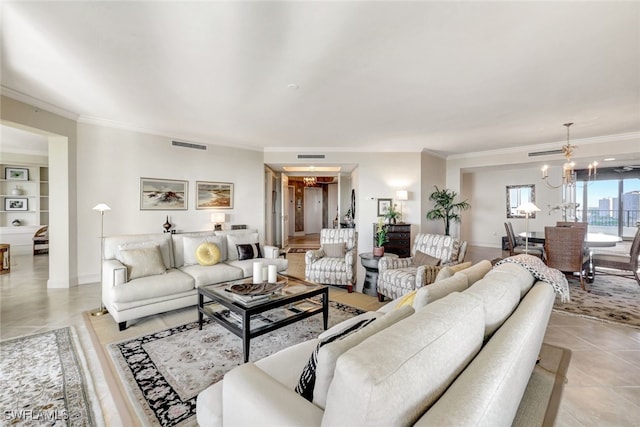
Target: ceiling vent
column 188, row 145
column 545, row 153
column 311, row 156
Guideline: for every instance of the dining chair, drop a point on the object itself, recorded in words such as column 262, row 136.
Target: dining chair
column 564, row 250
column 621, row 262
column 572, row 224
column 516, row 248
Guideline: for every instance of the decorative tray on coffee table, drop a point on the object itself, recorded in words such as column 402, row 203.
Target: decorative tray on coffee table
column 247, row 291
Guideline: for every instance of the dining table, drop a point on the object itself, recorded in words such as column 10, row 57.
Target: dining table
column 591, row 240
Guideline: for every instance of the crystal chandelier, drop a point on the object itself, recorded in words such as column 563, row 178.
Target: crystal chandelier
column 568, row 172
column 309, row 181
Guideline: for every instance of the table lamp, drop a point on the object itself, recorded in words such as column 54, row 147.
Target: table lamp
column 217, row 218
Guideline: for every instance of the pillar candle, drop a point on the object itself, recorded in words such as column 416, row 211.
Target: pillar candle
column 265, row 273
column 273, row 274
column 257, row 272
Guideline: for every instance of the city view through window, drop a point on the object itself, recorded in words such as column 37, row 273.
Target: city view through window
column 613, row 205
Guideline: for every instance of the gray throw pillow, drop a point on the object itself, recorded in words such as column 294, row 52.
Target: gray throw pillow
column 334, row 250
column 420, row 258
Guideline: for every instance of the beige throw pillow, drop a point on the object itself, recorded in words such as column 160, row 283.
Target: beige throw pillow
column 334, row 250
column 420, row 258
column 143, row 262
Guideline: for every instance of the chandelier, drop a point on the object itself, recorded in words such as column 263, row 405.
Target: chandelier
column 309, row 181
column 568, row 172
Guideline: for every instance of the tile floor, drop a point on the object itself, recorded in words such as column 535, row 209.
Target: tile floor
column 603, row 386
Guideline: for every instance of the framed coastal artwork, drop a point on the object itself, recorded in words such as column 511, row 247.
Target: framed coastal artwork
column 214, row 195
column 163, row 194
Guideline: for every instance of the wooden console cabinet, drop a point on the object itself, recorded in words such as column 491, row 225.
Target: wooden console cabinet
column 399, row 239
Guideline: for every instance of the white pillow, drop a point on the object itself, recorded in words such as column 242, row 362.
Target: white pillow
column 143, row 262
column 165, row 249
column 191, row 243
column 239, row 239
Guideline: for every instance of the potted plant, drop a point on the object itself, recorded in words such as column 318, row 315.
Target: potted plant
column 392, row 214
column 381, row 238
column 445, row 208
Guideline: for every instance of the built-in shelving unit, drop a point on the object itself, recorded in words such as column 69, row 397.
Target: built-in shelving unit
column 24, row 197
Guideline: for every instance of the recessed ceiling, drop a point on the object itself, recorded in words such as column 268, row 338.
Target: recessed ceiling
column 448, row 77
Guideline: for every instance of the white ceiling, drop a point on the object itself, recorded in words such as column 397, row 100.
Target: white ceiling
column 448, row 77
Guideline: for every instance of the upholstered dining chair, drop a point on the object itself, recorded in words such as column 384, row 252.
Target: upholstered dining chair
column 516, row 248
column 41, row 241
column 621, row 262
column 564, row 250
column 335, row 262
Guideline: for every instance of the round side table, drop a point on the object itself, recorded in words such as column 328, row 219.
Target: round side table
column 370, row 264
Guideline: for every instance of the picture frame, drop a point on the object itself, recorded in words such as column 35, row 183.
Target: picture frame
column 214, row 195
column 16, row 204
column 163, row 194
column 383, row 206
column 516, row 196
column 16, row 174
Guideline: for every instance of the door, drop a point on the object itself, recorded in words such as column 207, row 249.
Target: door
column 284, row 209
column 312, row 210
column 292, row 211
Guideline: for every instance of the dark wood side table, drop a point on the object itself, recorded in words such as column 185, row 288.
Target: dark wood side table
column 398, row 239
column 370, row 264
column 5, row 258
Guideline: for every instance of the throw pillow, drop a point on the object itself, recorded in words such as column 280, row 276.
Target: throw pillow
column 334, row 250
column 249, row 251
column 164, row 245
column 208, row 254
column 406, row 300
column 190, row 245
column 345, row 324
column 328, row 354
column 239, row 239
column 420, row 258
column 143, row 262
column 308, row 377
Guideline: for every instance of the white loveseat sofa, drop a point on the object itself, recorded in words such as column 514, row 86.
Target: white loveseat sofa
column 463, row 359
column 146, row 274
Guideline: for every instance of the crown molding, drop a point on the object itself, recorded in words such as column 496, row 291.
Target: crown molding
column 28, row 99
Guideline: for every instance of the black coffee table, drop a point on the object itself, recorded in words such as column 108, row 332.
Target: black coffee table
column 234, row 315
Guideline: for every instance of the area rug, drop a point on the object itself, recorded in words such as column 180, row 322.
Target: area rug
column 163, row 372
column 611, row 299
column 300, row 250
column 45, row 381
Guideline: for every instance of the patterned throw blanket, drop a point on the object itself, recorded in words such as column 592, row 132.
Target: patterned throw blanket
column 540, row 271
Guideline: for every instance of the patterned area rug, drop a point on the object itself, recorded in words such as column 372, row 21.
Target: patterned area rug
column 45, row 381
column 164, row 371
column 300, row 250
column 613, row 299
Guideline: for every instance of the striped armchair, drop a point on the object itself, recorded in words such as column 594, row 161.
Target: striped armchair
column 397, row 276
column 334, row 270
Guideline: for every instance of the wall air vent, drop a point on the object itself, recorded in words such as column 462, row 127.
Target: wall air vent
column 311, row 156
column 188, row 145
column 545, row 153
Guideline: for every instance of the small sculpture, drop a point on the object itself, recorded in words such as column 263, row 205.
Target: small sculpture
column 16, row 223
column 167, row 226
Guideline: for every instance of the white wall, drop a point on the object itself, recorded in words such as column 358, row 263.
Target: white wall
column 111, row 163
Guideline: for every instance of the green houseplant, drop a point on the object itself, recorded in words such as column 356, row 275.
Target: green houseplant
column 381, row 238
column 445, row 208
column 392, row 214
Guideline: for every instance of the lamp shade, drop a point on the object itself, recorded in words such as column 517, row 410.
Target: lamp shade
column 528, row 207
column 402, row 195
column 217, row 217
column 101, row 207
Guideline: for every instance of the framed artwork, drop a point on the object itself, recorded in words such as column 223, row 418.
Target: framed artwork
column 15, row 204
column 383, row 206
column 163, row 194
column 214, row 195
column 16, row 174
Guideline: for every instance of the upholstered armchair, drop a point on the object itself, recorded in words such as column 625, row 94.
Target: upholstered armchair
column 430, row 253
column 335, row 262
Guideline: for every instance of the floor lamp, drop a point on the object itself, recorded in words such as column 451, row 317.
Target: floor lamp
column 527, row 208
column 101, row 208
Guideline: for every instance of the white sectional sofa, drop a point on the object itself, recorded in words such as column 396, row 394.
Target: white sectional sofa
column 463, row 358
column 146, row 274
